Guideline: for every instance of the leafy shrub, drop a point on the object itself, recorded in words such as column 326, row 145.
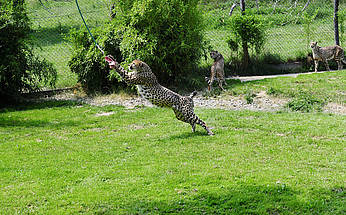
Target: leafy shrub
column 249, row 96
column 88, row 62
column 20, row 69
column 305, row 102
column 274, row 91
column 166, row 34
column 248, row 29
column 168, row 38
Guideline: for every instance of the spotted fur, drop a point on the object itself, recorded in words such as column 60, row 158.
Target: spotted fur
column 148, row 86
column 327, row 53
column 217, row 69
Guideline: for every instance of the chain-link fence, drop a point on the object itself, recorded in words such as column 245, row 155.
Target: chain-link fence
column 51, row 22
column 292, row 24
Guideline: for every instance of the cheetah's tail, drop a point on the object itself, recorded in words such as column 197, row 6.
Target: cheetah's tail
column 193, row 94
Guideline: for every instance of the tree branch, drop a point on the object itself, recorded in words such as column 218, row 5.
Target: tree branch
column 232, row 8
column 306, row 5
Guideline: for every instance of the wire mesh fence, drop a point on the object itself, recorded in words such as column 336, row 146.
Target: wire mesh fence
column 51, row 22
column 291, row 25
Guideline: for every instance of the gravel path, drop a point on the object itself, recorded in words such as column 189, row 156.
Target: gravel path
column 253, row 78
column 262, row 102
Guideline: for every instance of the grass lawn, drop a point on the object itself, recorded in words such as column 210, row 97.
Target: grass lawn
column 67, row 158
column 327, row 86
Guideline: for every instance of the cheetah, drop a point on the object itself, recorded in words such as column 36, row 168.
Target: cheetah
column 327, row 53
column 217, row 69
column 149, row 87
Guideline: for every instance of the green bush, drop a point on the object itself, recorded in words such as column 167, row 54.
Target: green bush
column 166, row 34
column 249, row 29
column 249, row 96
column 248, row 32
column 305, row 102
column 88, row 62
column 274, row 91
column 20, row 70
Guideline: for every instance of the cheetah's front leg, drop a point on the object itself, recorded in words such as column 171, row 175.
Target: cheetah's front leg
column 316, row 65
column 340, row 66
column 211, row 80
column 129, row 78
column 220, row 85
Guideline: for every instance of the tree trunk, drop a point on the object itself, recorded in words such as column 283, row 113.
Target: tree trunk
column 242, row 6
column 246, row 56
column 336, row 22
column 305, row 6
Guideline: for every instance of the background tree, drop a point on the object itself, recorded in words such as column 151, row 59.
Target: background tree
column 336, row 25
column 166, row 34
column 20, row 69
column 246, row 56
column 247, row 31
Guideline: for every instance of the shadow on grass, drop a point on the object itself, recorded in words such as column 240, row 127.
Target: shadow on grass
column 247, row 199
column 22, row 122
column 47, row 36
column 36, row 105
column 17, row 122
column 187, row 135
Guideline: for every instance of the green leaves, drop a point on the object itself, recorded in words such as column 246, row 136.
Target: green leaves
column 248, row 29
column 20, row 69
column 306, row 102
column 165, row 34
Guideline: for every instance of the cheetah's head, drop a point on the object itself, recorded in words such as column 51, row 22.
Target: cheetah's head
column 313, row 44
column 214, row 54
column 139, row 66
column 142, row 72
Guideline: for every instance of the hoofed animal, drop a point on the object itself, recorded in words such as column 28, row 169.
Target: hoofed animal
column 148, row 87
column 327, row 53
column 217, row 69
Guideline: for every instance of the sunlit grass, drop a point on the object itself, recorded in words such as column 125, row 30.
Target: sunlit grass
column 328, row 86
column 67, row 158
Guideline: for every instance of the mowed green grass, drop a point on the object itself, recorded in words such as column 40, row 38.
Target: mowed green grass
column 327, row 86
column 68, row 158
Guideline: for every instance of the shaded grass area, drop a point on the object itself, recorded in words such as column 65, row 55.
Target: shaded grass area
column 68, row 158
column 328, row 86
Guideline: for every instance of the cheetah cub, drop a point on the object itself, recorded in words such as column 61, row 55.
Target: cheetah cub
column 148, row 87
column 327, row 53
column 217, row 69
